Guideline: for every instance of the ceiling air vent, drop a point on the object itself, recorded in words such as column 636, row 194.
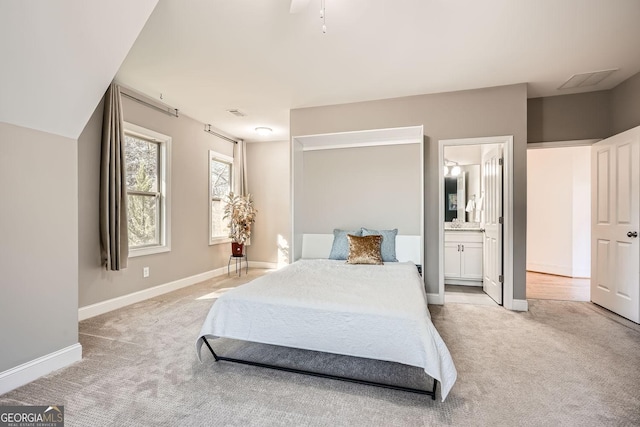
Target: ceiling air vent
column 586, row 79
column 237, row 112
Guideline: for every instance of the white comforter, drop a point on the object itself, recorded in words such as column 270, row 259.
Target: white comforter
column 372, row 311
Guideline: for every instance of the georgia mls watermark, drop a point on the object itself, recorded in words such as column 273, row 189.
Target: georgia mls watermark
column 32, row 416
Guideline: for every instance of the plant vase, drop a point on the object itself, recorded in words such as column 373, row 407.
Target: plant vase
column 237, row 249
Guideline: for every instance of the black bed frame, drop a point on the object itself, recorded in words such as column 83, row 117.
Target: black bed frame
column 431, row 392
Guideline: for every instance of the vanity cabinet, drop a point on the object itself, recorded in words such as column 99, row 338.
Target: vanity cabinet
column 463, row 257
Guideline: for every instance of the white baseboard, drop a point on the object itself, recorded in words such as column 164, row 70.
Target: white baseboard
column 102, row 307
column 30, row 371
column 436, row 299
column 558, row 270
column 582, row 272
column 261, row 264
column 462, row 282
column 520, row 305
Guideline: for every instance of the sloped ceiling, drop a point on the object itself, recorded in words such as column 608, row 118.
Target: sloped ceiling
column 58, row 58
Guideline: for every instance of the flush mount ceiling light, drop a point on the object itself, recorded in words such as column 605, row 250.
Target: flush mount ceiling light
column 263, row 131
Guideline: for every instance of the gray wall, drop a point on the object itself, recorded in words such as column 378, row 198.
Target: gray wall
column 190, row 251
column 269, row 181
column 38, row 244
column 475, row 113
column 569, row 117
column 591, row 115
column 625, row 105
column 374, row 187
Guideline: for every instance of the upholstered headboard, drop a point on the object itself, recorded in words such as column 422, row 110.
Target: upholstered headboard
column 408, row 248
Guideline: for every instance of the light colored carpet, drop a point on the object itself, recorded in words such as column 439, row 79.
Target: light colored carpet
column 561, row 363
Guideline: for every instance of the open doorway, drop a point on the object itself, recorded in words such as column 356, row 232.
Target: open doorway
column 559, row 221
column 463, row 230
column 476, row 220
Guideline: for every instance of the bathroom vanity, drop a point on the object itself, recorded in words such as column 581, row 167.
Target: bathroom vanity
column 463, row 256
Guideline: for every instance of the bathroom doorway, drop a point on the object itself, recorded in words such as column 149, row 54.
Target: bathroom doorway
column 475, row 212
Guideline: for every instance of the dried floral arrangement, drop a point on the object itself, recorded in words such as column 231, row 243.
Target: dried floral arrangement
column 241, row 213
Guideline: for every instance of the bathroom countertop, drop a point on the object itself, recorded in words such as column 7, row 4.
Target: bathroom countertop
column 464, row 228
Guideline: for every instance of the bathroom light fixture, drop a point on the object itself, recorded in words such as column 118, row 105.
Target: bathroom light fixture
column 451, row 168
column 263, row 131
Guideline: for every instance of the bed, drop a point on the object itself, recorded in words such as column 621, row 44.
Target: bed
column 370, row 311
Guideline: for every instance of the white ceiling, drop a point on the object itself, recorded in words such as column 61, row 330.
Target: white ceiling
column 58, row 58
column 209, row 56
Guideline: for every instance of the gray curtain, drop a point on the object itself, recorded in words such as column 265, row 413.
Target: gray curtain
column 114, row 237
column 239, row 155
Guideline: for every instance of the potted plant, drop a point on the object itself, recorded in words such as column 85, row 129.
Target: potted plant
column 241, row 213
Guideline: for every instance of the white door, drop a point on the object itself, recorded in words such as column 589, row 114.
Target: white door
column 615, row 214
column 493, row 218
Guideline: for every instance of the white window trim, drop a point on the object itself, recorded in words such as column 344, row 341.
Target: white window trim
column 226, row 159
column 165, row 189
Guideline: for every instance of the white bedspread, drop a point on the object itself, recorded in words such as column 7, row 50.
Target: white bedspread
column 371, row 311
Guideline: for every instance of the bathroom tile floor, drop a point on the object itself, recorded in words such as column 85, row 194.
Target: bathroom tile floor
column 466, row 295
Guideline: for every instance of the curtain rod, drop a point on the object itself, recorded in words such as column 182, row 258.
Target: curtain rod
column 174, row 112
column 170, row 111
column 207, row 129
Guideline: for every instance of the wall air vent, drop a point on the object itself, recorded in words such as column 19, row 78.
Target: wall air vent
column 237, row 112
column 586, row 79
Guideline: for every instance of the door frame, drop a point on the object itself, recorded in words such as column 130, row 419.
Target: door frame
column 507, row 247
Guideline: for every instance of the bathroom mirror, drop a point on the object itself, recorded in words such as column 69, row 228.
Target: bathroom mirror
column 459, row 191
column 454, row 197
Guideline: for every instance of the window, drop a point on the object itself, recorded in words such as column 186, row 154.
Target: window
column 147, row 173
column 220, row 185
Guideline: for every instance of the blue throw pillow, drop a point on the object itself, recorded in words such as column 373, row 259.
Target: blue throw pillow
column 388, row 247
column 340, row 247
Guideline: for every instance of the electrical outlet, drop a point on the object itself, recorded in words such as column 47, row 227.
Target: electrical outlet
column 145, row 272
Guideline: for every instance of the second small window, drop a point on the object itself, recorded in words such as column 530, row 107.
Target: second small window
column 220, row 185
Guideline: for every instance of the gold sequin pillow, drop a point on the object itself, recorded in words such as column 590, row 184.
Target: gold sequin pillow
column 364, row 250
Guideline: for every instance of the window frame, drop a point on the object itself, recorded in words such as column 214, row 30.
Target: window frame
column 222, row 158
column 164, row 189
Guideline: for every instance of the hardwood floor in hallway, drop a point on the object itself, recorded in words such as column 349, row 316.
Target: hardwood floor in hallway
column 549, row 286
